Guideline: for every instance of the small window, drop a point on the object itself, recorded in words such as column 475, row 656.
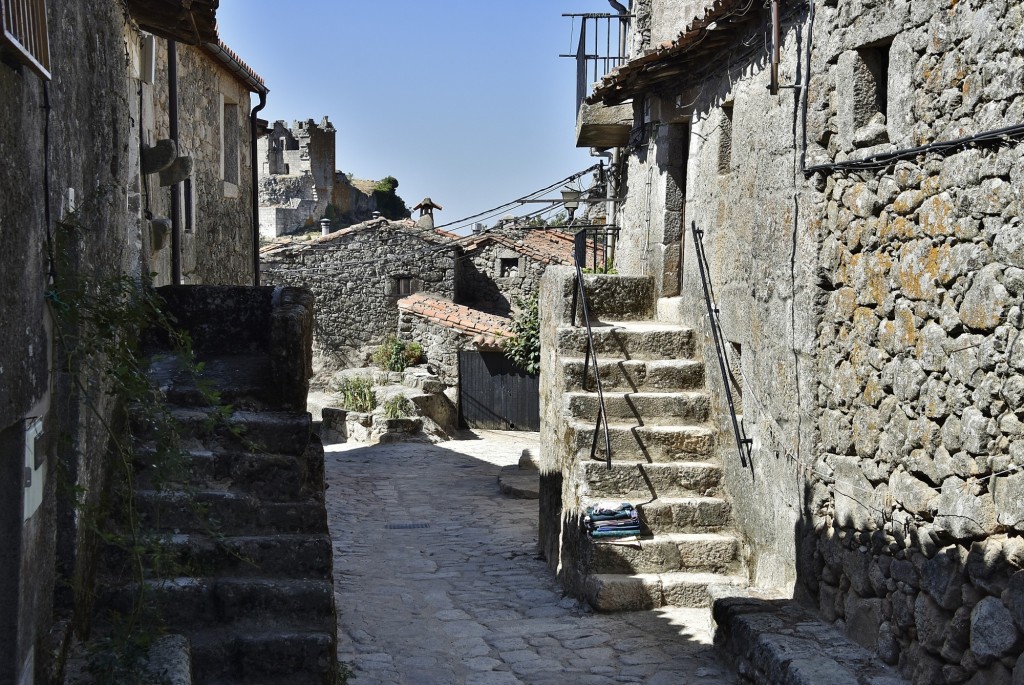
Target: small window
column 23, row 30
column 509, row 266
column 230, row 135
column 876, row 63
column 188, row 192
column 403, row 286
column 725, row 141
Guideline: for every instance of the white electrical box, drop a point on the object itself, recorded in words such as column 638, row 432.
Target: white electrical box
column 35, row 476
column 148, row 66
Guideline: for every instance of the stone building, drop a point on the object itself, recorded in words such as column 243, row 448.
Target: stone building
column 358, row 274
column 852, row 198
column 299, row 184
column 76, row 212
column 501, row 265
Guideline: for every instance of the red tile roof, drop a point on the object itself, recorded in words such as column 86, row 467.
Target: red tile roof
column 237, row 66
column 548, row 246
column 487, row 329
column 432, row 235
column 690, row 54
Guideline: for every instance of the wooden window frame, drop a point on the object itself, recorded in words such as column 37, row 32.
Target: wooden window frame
column 23, row 29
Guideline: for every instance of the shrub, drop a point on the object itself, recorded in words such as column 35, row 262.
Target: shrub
column 523, row 348
column 395, row 355
column 356, row 394
column 398, row 407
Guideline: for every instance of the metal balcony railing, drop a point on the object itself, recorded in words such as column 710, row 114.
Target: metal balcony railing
column 601, row 47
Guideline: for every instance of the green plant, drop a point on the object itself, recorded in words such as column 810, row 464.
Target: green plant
column 356, row 394
column 523, row 346
column 395, row 355
column 388, row 202
column 398, row 407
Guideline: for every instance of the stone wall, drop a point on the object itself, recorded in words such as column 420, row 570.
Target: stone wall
column 354, row 274
column 218, row 249
column 871, row 318
column 92, row 148
column 440, row 345
column 488, row 279
column 919, row 348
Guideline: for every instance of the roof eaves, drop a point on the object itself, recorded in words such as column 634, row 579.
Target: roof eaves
column 237, row 66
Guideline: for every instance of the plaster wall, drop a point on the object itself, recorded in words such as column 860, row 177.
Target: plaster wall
column 91, row 146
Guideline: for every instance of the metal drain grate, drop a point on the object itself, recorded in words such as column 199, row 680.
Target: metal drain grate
column 403, row 526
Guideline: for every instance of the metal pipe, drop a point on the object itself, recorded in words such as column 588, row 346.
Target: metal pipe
column 702, row 265
column 254, row 164
column 172, row 113
column 775, row 49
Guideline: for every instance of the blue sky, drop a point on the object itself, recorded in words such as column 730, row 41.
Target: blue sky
column 466, row 102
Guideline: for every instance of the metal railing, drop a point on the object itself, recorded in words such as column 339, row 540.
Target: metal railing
column 579, row 297
column 742, row 442
column 601, row 48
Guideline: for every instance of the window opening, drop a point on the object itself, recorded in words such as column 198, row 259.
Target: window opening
column 230, row 142
column 188, row 190
column 23, row 29
column 403, row 285
column 725, row 140
column 876, row 60
column 509, row 267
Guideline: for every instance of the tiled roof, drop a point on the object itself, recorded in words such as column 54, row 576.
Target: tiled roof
column 432, row 235
column 237, row 66
column 548, row 246
column 685, row 58
column 487, row 329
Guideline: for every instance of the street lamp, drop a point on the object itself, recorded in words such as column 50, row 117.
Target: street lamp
column 570, row 200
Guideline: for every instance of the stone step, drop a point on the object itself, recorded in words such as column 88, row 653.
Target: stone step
column 641, row 481
column 226, row 512
column 243, row 381
column 633, row 443
column 643, row 408
column 272, row 477
column 691, row 552
column 638, row 591
column 686, row 514
column 636, row 375
column 245, row 431
column 189, row 603
column 628, row 340
column 285, row 555
column 264, row 656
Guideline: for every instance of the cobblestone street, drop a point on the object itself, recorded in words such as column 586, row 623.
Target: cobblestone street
column 437, row 581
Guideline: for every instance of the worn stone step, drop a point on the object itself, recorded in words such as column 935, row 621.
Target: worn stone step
column 187, row 603
column 273, row 477
column 643, row 408
column 244, row 381
column 247, row 431
column 642, row 481
column 634, row 443
column 691, row 552
column 636, row 375
column 284, row 555
column 267, row 657
column 634, row 592
column 628, row 340
column 685, row 514
column 227, row 512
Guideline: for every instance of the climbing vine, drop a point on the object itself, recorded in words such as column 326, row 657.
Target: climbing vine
column 523, row 347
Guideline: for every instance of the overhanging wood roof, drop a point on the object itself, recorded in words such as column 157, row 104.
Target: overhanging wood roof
column 702, row 42
column 186, row 21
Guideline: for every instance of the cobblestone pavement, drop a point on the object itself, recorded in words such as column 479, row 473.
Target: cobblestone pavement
column 437, row 581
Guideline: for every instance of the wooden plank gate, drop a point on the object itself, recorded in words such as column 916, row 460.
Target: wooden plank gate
column 495, row 394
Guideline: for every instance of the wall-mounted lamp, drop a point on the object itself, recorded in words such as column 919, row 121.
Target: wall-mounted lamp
column 571, row 201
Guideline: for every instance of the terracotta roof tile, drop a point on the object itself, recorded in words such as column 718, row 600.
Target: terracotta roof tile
column 688, row 55
column 458, row 317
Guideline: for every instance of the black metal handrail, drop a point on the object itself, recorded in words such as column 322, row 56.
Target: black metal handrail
column 742, row 443
column 579, row 296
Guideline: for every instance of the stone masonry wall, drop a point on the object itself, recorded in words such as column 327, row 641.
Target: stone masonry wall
column 440, row 345
column 482, row 285
column 919, row 348
column 353, row 276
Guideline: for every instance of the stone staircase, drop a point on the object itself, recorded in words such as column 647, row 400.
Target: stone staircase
column 663, row 461
column 240, row 522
